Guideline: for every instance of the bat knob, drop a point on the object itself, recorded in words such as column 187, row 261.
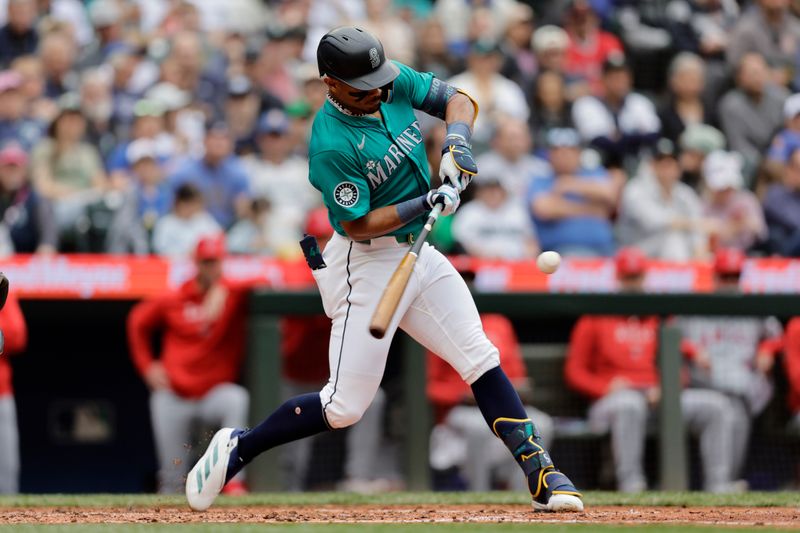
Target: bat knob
column 377, row 331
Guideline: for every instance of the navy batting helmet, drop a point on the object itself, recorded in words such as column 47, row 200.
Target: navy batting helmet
column 355, row 57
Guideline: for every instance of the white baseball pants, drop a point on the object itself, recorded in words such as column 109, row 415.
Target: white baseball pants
column 9, row 446
column 436, row 310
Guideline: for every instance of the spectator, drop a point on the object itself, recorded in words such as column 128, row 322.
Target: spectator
column 249, row 236
column 58, row 53
column 455, row 17
column 146, row 201
column 177, row 233
column 19, row 36
column 194, row 73
column 589, row 46
column 792, row 362
column 648, row 32
column 494, row 225
column 241, row 113
column 432, row 52
column 185, row 124
column 733, row 355
column 397, row 35
column 612, row 361
column 510, row 159
column 107, row 19
column 194, row 377
column 26, row 215
column 571, row 206
column 457, row 439
column 782, row 210
column 282, row 178
column 37, row 106
column 620, row 123
column 97, row 105
column 660, row 215
column 12, row 324
column 550, row 45
column 685, row 105
column 124, row 98
column 769, row 30
column 752, row 112
column 696, row 142
column 740, row 220
column 497, row 96
column 65, row 168
column 218, row 174
column 520, row 64
column 14, row 124
column 550, row 108
column 786, row 140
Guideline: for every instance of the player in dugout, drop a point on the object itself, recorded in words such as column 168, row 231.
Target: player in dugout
column 202, row 327
column 15, row 332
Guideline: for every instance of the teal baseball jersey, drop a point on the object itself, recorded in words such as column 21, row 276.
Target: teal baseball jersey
column 362, row 163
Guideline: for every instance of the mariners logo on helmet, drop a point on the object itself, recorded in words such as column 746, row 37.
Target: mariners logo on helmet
column 345, row 194
column 374, row 57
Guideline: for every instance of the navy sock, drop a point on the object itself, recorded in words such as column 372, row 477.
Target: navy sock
column 297, row 418
column 496, row 397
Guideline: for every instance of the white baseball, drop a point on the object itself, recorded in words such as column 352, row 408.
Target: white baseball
column 548, row 262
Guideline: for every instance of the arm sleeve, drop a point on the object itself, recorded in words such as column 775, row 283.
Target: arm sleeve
column 145, row 318
column 578, row 369
column 344, row 191
column 12, row 323
column 412, row 84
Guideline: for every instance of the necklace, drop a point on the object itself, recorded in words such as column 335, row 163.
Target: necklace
column 342, row 109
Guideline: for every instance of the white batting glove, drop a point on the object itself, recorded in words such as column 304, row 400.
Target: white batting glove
column 447, row 196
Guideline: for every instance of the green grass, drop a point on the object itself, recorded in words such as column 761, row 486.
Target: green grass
column 364, row 528
column 692, row 499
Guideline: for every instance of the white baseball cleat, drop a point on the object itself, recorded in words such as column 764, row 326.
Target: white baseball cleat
column 556, row 493
column 206, row 479
column 560, row 503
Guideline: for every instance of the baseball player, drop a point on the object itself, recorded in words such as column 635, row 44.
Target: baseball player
column 367, row 158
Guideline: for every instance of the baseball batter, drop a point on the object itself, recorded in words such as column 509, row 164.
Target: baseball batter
column 368, row 160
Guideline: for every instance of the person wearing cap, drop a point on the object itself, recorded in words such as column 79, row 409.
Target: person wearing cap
column 739, row 216
column 660, row 215
column 589, row 45
column 618, row 122
column 176, row 233
column 782, row 209
column 550, row 44
column 148, row 124
column 612, row 361
column 494, row 225
column 367, row 158
column 194, row 377
column 218, row 174
column 15, row 124
column 148, row 198
column 26, row 215
column 497, row 96
column 65, row 168
column 58, row 53
column 786, row 140
column 752, row 111
column 106, row 17
column 510, row 159
column 685, row 104
column 19, row 36
column 571, row 205
column 241, row 113
column 15, row 334
column 733, row 355
column 278, row 174
column 696, row 142
column 455, row 17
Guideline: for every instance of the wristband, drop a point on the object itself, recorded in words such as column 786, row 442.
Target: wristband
column 411, row 209
column 458, row 131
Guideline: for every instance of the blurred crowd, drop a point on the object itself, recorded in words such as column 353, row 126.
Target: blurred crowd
column 138, row 126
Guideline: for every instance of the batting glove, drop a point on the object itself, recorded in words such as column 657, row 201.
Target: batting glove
column 447, row 196
column 458, row 166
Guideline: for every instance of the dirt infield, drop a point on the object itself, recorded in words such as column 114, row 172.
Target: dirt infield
column 730, row 516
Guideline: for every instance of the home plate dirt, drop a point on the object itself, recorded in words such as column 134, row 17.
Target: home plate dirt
column 733, row 516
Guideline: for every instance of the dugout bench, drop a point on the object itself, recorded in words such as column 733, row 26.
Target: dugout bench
column 263, row 362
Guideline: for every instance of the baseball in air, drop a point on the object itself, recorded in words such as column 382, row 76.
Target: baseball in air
column 548, row 262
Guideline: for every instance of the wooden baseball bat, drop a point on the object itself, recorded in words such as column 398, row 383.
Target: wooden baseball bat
column 394, row 290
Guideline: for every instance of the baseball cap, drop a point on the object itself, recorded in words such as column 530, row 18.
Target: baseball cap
column 702, row 138
column 483, row 47
column 239, row 86
column 615, row 61
column 10, row 80
column 104, row 13
column 210, row 247
column 141, row 149
column 273, row 121
column 563, row 138
column 723, row 170
column 318, row 224
column 69, row 103
column 664, row 148
column 791, row 107
column 148, row 108
column 631, row 262
column 169, row 96
column 13, row 154
column 217, row 125
column 549, row 37
column 728, row 261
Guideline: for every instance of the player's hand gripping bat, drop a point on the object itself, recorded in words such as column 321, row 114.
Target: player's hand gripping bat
column 397, row 283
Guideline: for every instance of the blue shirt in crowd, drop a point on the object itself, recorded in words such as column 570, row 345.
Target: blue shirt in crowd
column 220, row 185
column 784, row 143
column 581, row 235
